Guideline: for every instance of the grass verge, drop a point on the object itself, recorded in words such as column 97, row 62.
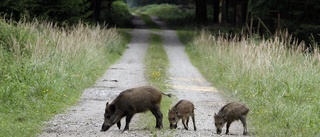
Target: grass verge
column 279, row 84
column 157, row 64
column 44, row 69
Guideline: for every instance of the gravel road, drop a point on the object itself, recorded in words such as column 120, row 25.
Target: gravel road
column 86, row 117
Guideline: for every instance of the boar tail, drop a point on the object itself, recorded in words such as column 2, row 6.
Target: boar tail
column 169, row 95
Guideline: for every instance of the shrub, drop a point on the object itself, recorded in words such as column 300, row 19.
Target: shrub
column 120, row 14
column 171, row 14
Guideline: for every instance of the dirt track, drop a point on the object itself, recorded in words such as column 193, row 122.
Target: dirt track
column 85, row 118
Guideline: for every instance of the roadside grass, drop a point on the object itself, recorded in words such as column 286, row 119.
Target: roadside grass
column 157, row 63
column 44, row 69
column 274, row 77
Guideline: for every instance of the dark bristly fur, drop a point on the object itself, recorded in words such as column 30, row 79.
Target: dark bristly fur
column 183, row 109
column 130, row 102
column 229, row 113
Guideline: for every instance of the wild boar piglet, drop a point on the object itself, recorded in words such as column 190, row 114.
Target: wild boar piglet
column 229, row 113
column 182, row 110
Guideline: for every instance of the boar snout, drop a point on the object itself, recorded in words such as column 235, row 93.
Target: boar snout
column 104, row 128
column 182, row 110
column 229, row 113
column 219, row 131
column 173, row 126
column 219, row 122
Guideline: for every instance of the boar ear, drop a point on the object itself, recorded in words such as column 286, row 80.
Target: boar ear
column 107, row 104
column 178, row 113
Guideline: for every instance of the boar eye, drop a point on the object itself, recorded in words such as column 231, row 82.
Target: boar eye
column 220, row 123
column 108, row 116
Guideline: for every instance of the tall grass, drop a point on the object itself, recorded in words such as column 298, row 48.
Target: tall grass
column 274, row 77
column 44, row 69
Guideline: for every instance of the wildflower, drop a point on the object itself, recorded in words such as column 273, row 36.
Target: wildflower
column 155, row 74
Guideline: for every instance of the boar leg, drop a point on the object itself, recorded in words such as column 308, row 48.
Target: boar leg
column 228, row 125
column 184, row 123
column 119, row 124
column 194, row 123
column 243, row 120
column 187, row 122
column 157, row 113
column 128, row 119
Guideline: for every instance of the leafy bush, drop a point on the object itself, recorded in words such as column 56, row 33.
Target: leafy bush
column 60, row 11
column 120, row 14
column 171, row 14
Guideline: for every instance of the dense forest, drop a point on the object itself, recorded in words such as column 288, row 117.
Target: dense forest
column 301, row 18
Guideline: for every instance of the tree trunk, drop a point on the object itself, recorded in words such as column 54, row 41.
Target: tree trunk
column 201, row 10
column 224, row 11
column 96, row 6
column 109, row 10
column 216, row 10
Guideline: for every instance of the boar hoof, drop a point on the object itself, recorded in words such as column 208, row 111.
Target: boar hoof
column 119, row 125
column 159, row 127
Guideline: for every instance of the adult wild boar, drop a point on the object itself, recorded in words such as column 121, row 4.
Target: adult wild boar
column 130, row 102
column 229, row 113
column 183, row 109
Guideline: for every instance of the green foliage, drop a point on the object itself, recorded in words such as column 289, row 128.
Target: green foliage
column 309, row 33
column 149, row 22
column 68, row 11
column 12, row 8
column 164, row 11
column 120, row 14
column 295, row 15
column 59, row 65
column 280, row 85
column 260, row 8
column 139, row 3
column 171, row 14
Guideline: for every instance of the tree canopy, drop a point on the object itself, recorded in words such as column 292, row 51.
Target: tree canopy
column 302, row 18
column 52, row 10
